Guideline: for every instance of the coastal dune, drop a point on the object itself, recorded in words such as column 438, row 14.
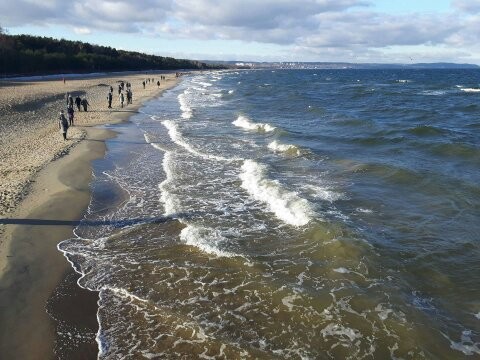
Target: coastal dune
column 44, row 190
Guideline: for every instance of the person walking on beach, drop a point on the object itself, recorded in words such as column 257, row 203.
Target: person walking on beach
column 143, row 83
column 70, row 113
column 70, row 100
column 158, row 84
column 109, row 98
column 77, row 102
column 85, row 104
column 111, row 88
column 122, row 99
column 63, row 125
column 119, row 90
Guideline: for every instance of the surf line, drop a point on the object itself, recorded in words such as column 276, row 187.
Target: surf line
column 178, row 139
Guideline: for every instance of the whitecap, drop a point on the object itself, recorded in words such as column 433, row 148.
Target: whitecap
column 186, row 109
column 246, row 123
column 289, row 149
column 433, row 92
column 178, row 139
column 322, row 192
column 206, row 239
column 286, row 205
column 474, row 90
column 365, row 211
column 170, row 201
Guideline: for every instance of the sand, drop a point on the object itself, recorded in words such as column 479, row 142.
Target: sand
column 44, row 191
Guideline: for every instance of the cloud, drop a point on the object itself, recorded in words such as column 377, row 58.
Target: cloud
column 344, row 27
column 256, row 14
column 468, row 6
column 375, row 30
column 82, row 30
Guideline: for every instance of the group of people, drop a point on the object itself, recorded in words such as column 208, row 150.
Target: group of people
column 65, row 123
column 122, row 87
column 124, row 93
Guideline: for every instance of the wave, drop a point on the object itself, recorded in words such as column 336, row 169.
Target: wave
column 473, row 90
column 286, row 205
column 433, row 92
column 170, row 201
column 246, row 123
column 461, row 150
column 322, row 193
column 186, row 109
column 206, row 239
column 178, row 139
column 287, row 149
column 426, row 130
column 156, row 145
column 203, row 83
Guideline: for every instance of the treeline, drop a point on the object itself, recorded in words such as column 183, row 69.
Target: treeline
column 32, row 55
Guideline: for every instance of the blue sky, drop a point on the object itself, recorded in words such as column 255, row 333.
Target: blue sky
column 385, row 31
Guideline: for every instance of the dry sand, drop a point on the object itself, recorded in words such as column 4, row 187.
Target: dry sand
column 43, row 194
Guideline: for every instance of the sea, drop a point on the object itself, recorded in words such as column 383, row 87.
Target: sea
column 290, row 214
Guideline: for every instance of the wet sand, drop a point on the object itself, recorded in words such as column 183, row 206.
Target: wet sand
column 43, row 193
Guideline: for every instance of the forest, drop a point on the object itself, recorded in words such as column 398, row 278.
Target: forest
column 34, row 55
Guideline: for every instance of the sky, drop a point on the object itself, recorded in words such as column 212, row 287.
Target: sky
column 359, row 31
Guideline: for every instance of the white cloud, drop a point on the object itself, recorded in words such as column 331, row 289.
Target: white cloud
column 348, row 28
column 82, row 30
column 469, row 6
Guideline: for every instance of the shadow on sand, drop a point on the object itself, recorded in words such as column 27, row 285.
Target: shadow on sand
column 115, row 223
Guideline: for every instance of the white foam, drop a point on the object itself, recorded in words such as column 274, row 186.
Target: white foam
column 288, row 301
column 178, row 139
column 434, row 92
column 466, row 344
column 231, row 91
column 170, row 201
column 286, row 205
column 246, row 123
column 186, row 109
column 155, row 145
column 382, row 312
column 207, row 240
column 275, row 146
column 341, row 270
column 322, row 193
column 339, row 331
column 474, row 90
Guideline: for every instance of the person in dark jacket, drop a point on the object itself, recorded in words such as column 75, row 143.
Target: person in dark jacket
column 85, row 104
column 109, row 99
column 70, row 113
column 77, row 102
column 63, row 125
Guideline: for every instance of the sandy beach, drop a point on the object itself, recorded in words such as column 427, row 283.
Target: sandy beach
column 44, row 190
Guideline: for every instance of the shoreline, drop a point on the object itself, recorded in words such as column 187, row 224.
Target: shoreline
column 41, row 305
